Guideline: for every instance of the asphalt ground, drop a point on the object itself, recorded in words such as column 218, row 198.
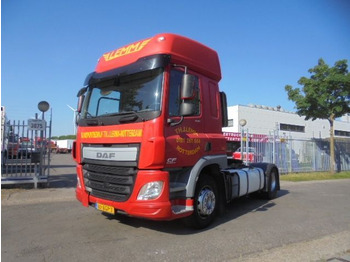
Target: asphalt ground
column 309, row 221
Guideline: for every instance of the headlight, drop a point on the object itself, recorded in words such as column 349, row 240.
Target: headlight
column 150, row 190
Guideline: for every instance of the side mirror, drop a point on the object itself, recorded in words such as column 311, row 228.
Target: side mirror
column 188, row 93
column 82, row 91
column 188, row 86
column 80, row 103
column 81, row 98
column 187, row 109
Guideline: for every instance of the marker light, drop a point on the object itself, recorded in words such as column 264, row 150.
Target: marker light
column 150, row 190
column 161, row 39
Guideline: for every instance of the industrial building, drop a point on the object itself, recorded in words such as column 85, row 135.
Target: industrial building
column 264, row 120
column 272, row 134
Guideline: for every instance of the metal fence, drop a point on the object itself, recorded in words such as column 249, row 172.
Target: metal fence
column 25, row 154
column 292, row 155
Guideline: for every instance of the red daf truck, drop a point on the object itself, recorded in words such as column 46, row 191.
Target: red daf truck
column 149, row 139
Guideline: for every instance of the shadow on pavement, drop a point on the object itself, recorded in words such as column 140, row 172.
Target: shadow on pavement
column 237, row 208
column 62, row 166
column 63, row 181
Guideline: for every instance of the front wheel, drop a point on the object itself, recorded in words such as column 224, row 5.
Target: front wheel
column 205, row 203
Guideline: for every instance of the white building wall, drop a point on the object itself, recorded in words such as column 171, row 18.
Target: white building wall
column 263, row 120
column 346, row 118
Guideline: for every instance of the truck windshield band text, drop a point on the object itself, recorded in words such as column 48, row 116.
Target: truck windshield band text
column 113, row 133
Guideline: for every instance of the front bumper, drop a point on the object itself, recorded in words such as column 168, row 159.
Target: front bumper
column 161, row 208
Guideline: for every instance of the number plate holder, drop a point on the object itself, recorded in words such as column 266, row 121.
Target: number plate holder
column 105, row 208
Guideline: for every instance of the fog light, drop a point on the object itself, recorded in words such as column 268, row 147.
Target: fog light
column 150, row 190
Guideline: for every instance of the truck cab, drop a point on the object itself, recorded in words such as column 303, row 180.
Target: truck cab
column 150, row 131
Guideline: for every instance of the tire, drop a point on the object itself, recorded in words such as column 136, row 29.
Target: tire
column 206, row 202
column 272, row 186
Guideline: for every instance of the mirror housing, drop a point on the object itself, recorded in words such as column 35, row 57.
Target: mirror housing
column 186, row 109
column 80, row 103
column 82, row 91
column 188, row 93
column 81, row 98
column 188, row 86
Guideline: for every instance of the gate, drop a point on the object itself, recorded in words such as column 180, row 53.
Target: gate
column 25, row 154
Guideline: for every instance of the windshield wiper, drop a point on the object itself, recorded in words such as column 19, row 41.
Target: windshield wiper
column 125, row 117
column 134, row 116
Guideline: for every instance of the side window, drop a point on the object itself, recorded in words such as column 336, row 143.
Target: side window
column 174, row 94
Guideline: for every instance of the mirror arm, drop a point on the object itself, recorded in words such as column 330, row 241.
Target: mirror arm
column 171, row 123
column 183, row 66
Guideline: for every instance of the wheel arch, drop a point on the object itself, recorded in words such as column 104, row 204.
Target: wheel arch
column 210, row 165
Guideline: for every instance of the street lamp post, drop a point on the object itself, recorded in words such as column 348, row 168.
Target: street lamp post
column 43, row 106
column 242, row 123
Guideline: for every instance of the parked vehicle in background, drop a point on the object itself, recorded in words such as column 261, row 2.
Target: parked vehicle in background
column 13, row 143
column 25, row 149
column 52, row 146
column 64, row 146
column 252, row 156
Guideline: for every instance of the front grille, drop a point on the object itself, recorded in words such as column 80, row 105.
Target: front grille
column 109, row 182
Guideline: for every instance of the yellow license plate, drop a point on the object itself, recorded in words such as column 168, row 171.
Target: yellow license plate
column 105, row 208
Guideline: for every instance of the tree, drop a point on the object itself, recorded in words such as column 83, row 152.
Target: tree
column 325, row 95
column 64, row 137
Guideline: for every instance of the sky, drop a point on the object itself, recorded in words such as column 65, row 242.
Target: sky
column 48, row 47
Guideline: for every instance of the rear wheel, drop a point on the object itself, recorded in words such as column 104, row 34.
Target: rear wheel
column 272, row 186
column 205, row 203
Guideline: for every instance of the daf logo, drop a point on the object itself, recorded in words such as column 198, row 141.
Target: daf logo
column 110, row 154
column 105, row 155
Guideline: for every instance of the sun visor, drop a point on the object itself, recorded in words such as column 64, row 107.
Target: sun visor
column 143, row 64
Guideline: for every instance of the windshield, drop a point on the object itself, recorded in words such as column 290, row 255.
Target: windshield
column 140, row 92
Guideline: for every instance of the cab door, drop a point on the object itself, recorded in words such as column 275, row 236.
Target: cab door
column 185, row 140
